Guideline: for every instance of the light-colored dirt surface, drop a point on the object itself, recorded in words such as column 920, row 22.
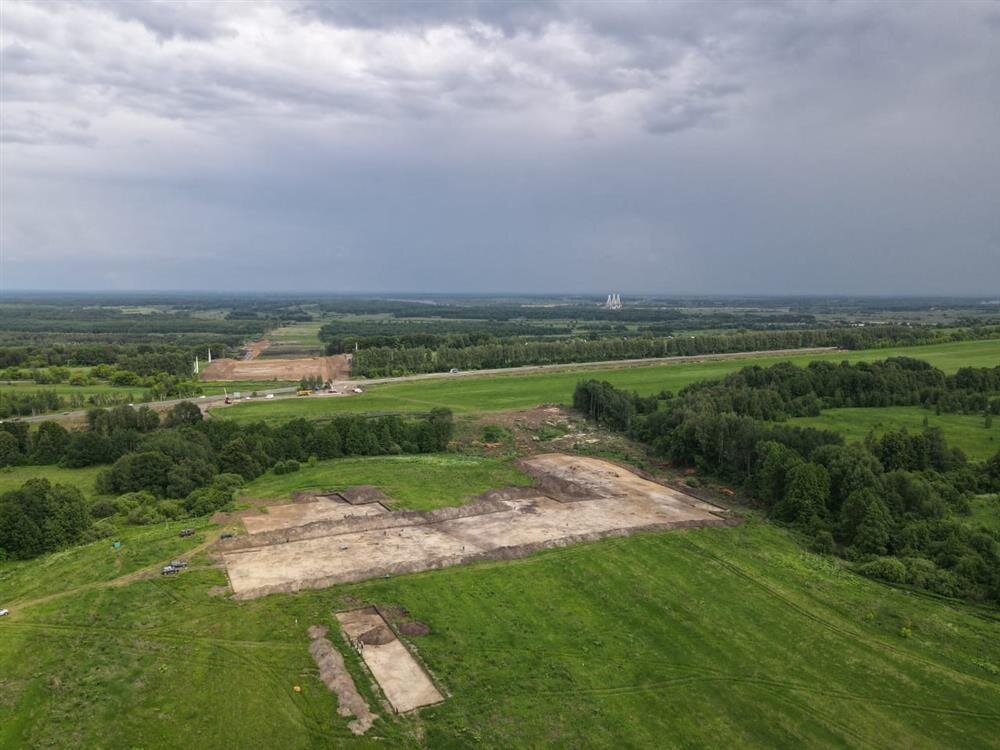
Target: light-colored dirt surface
column 299, row 514
column 333, row 368
column 336, row 677
column 403, row 681
column 255, row 348
column 595, row 499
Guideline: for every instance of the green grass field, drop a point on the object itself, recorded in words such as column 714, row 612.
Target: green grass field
column 497, row 393
column 986, row 511
column 702, row 638
column 12, row 477
column 960, row 430
column 413, row 482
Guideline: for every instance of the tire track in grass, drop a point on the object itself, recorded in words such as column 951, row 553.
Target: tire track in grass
column 655, row 685
column 855, row 635
column 128, row 640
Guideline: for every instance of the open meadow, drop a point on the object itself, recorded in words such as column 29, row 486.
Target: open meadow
column 706, row 637
column 964, row 431
column 713, row 636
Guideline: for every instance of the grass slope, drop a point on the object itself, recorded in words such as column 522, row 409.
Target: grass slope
column 413, row 482
column 12, row 477
column 960, row 430
column 498, row 393
column 708, row 637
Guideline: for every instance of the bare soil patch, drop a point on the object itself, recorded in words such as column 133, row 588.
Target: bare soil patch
column 333, row 368
column 414, row 627
column 400, row 676
column 580, row 499
column 289, row 515
column 335, row 676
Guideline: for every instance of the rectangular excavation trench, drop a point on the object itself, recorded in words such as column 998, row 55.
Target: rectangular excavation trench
column 402, row 679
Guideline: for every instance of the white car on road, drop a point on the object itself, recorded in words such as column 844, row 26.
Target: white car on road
column 4, row 612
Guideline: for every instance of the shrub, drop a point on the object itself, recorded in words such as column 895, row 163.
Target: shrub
column 286, row 467
column 103, row 509
column 132, row 500
column 144, row 515
column 100, row 530
column 884, row 568
column 227, row 482
column 494, row 433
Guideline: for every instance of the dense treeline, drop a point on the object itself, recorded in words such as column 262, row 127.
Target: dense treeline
column 182, row 466
column 894, row 505
column 388, row 361
column 142, row 359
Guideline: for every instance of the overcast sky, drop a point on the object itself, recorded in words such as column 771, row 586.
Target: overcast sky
column 675, row 148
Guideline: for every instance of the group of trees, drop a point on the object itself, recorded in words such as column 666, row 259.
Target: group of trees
column 180, row 466
column 894, row 505
column 41, row 517
column 385, row 361
column 784, row 390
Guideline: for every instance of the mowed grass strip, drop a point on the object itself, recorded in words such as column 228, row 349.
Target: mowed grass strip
column 419, row 482
column 728, row 637
column 520, row 391
column 960, row 430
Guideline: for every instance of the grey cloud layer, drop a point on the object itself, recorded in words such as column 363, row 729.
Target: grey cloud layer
column 712, row 147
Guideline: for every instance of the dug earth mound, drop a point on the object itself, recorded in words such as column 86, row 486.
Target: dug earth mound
column 577, row 499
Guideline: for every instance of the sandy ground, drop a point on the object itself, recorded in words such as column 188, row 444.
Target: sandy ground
column 579, row 499
column 403, row 681
column 333, row 368
column 298, row 514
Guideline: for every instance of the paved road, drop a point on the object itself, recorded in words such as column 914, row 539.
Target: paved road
column 289, row 392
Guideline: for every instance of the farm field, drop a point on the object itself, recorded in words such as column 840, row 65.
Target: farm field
column 963, row 431
column 418, row 482
column 721, row 637
column 498, row 393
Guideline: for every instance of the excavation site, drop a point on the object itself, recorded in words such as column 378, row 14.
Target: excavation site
column 353, row 536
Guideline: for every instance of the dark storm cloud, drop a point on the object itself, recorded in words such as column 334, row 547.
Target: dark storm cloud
column 737, row 147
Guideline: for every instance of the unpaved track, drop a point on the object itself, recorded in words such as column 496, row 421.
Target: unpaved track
column 150, row 571
column 580, row 499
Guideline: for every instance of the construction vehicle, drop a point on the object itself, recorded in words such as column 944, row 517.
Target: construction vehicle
column 187, row 532
column 303, row 392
